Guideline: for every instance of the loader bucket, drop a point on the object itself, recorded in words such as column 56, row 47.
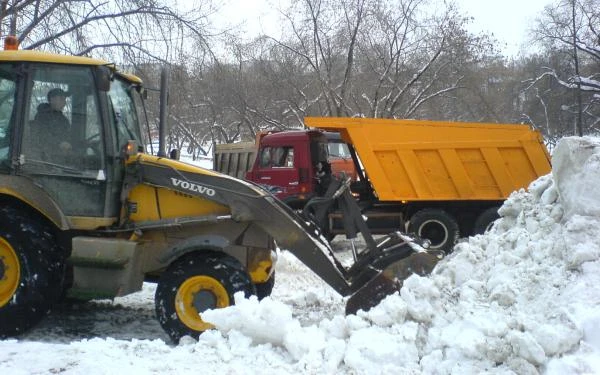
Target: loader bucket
column 390, row 279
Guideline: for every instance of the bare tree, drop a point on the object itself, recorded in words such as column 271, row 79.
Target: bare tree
column 569, row 31
column 128, row 29
column 413, row 59
column 373, row 58
column 324, row 36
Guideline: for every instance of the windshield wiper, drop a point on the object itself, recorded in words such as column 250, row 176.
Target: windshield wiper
column 61, row 167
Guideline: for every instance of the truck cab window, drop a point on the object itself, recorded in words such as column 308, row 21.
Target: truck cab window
column 7, row 100
column 338, row 150
column 289, row 158
column 284, row 157
column 277, row 157
column 265, row 157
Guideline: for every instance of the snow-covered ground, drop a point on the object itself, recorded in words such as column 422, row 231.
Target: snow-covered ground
column 523, row 299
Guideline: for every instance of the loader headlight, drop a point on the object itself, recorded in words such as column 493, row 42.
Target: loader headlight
column 131, row 148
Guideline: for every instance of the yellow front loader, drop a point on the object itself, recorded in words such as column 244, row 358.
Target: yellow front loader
column 87, row 213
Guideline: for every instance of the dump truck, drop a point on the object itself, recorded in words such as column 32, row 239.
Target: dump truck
column 87, row 213
column 438, row 179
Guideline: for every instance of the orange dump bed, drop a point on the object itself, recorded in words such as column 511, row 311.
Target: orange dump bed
column 414, row 160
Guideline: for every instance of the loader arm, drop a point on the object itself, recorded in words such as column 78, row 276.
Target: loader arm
column 378, row 270
column 247, row 203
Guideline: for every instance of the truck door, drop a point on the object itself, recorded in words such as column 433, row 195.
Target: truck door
column 63, row 140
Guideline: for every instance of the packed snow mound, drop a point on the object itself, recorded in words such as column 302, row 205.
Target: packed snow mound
column 523, row 298
column 576, row 170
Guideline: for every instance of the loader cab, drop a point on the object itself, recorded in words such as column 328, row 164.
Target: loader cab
column 63, row 122
column 7, row 100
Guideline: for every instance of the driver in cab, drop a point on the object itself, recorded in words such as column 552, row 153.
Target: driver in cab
column 53, row 127
column 56, row 123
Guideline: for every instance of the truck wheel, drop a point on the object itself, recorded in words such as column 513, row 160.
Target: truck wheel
column 194, row 284
column 437, row 226
column 32, row 270
column 264, row 289
column 484, row 221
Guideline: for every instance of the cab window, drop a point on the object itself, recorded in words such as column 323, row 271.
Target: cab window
column 7, row 101
column 124, row 113
column 62, row 146
column 277, row 157
column 265, row 157
column 62, row 127
column 338, row 150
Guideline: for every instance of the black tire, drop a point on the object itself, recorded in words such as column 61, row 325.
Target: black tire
column 194, row 284
column 264, row 289
column 437, row 226
column 32, row 269
column 484, row 221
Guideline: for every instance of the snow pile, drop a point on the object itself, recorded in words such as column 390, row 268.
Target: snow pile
column 576, row 167
column 523, row 298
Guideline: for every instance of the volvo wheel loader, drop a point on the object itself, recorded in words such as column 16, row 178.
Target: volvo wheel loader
column 86, row 212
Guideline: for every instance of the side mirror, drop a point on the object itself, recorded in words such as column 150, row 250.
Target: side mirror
column 103, row 78
column 174, row 154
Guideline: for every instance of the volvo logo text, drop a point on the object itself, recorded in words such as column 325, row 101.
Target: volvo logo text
column 192, row 187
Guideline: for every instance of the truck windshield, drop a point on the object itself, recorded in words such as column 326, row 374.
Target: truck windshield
column 338, row 150
column 124, row 112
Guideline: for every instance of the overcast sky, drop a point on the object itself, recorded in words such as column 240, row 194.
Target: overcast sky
column 508, row 20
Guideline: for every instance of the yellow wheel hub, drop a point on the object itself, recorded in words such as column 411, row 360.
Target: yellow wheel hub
column 10, row 272
column 197, row 294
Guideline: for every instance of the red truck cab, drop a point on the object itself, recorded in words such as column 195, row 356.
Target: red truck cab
column 286, row 164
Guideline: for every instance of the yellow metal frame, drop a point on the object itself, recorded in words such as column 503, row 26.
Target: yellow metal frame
column 260, row 265
column 52, row 58
column 186, row 293
column 12, row 272
column 63, row 222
